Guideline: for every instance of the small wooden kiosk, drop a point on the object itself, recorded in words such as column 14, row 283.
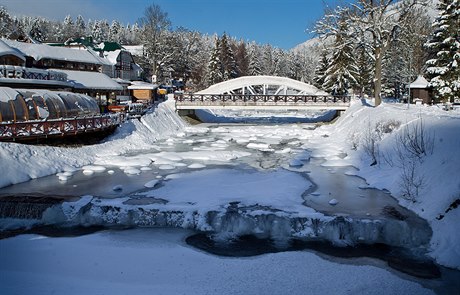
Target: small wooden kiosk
column 420, row 92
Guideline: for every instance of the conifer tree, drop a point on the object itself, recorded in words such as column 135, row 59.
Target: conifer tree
column 227, row 58
column 255, row 68
column 444, row 68
column 242, row 58
column 320, row 71
column 115, row 31
column 68, row 29
column 80, row 26
column 36, row 31
column 341, row 72
column 364, row 74
column 9, row 27
column 215, row 64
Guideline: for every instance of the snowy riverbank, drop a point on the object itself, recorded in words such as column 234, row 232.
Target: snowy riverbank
column 364, row 132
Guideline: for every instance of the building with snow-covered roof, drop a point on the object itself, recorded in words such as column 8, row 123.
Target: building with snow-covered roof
column 10, row 56
column 419, row 90
column 143, row 91
column 46, row 56
column 122, row 65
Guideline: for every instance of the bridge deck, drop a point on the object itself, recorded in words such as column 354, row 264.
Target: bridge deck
column 190, row 101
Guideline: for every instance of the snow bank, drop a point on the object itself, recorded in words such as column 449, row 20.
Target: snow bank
column 158, row 262
column 25, row 162
column 364, row 127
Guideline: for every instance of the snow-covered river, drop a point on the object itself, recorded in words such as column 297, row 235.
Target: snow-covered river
column 212, row 154
column 267, row 172
column 230, row 180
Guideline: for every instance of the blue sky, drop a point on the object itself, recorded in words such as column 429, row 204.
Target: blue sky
column 282, row 23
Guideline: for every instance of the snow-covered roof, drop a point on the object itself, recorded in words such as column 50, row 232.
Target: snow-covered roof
column 112, row 56
column 121, row 81
column 420, row 82
column 91, row 80
column 44, row 51
column 5, row 49
column 139, row 85
column 135, row 49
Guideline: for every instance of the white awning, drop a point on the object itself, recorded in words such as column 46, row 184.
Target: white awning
column 91, row 80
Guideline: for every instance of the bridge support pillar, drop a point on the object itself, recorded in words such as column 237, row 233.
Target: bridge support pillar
column 184, row 113
column 190, row 116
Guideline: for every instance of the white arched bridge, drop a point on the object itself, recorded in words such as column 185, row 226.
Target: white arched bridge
column 261, row 92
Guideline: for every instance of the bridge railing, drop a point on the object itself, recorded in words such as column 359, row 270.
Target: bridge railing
column 11, row 131
column 257, row 99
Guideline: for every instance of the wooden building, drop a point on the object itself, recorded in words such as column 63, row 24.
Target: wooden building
column 143, row 92
column 420, row 92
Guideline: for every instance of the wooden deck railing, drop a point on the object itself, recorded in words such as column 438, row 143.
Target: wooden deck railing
column 12, row 131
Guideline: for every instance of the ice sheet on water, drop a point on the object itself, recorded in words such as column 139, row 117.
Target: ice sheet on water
column 166, row 167
column 196, row 166
column 216, row 187
column 94, row 168
column 337, row 163
column 120, row 161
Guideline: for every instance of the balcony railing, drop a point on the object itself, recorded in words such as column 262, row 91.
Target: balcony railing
column 18, row 72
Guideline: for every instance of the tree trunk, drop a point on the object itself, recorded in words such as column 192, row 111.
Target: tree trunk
column 378, row 76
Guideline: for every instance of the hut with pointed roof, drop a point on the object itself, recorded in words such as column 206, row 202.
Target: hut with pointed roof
column 420, row 91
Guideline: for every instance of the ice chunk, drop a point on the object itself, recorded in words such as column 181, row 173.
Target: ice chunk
column 295, row 163
column 110, row 172
column 284, row 151
column 333, row 202
column 88, row 172
column 166, row 167
column 94, row 168
column 132, row 171
column 258, row 146
column 118, row 188
column 151, row 183
column 196, row 166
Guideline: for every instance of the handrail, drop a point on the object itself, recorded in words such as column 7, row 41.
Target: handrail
column 11, row 131
column 270, row 99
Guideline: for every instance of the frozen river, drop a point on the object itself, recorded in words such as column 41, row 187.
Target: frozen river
column 272, row 176
column 256, row 148
column 269, row 181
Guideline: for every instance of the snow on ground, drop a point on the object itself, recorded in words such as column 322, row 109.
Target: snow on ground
column 438, row 171
column 24, row 162
column 158, row 262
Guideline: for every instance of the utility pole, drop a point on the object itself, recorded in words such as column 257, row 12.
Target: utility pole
column 408, row 97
